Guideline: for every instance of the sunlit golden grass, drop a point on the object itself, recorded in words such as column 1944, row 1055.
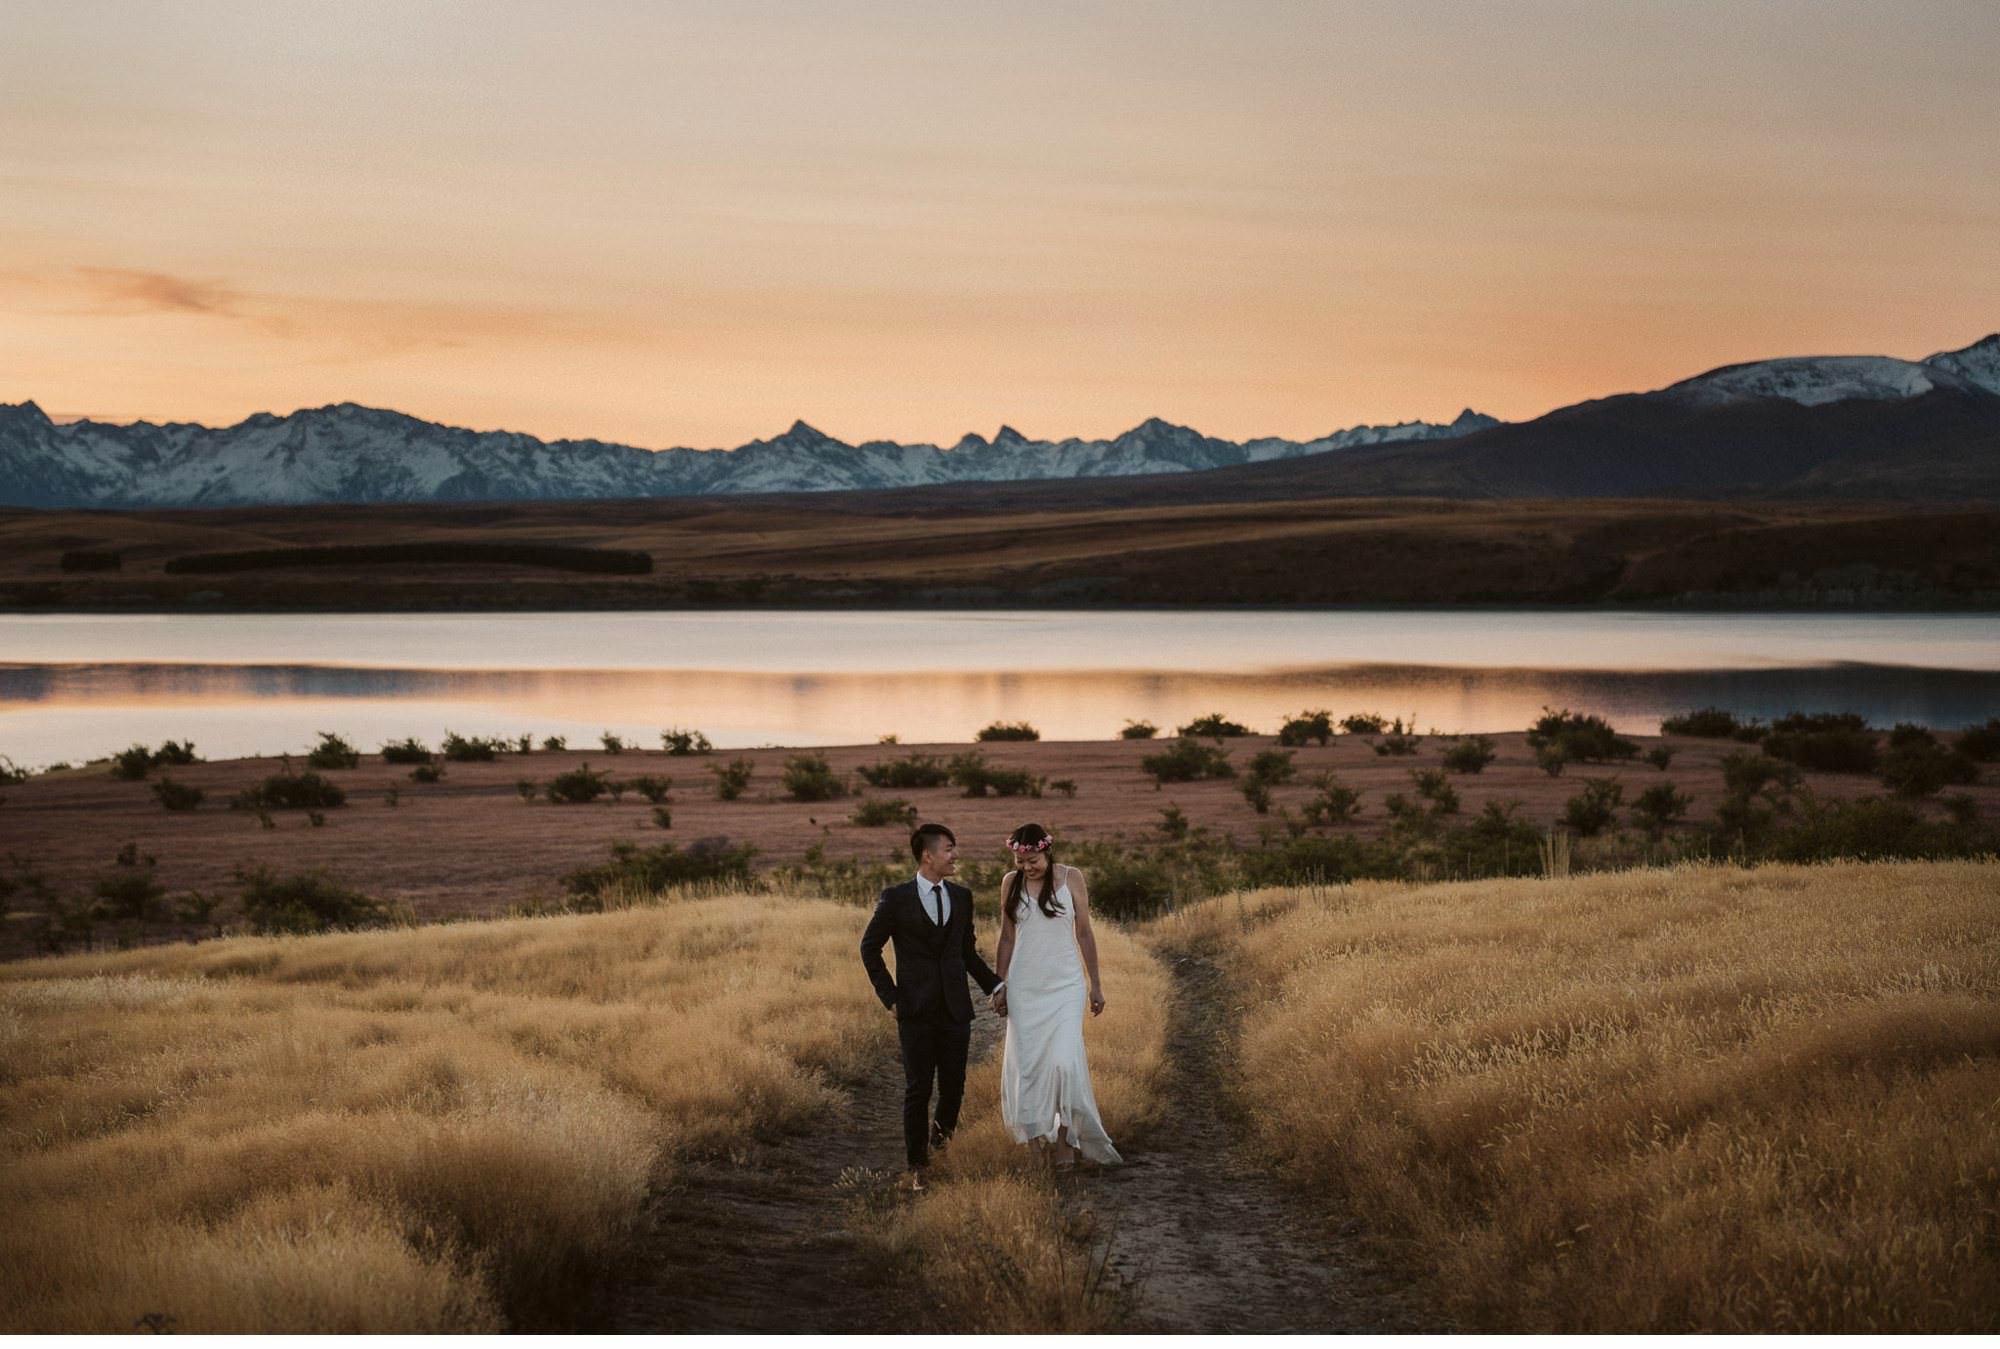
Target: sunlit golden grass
column 425, row 1129
column 1690, row 1099
column 991, row 1242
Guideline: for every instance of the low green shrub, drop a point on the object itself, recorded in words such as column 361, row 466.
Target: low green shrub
column 1214, row 726
column 808, row 777
column 1138, row 730
column 1470, row 754
column 1660, row 756
column 676, row 741
column 650, row 870
column 458, row 748
column 1594, row 808
column 654, row 787
column 305, row 902
column 1187, row 760
column 411, row 750
column 132, row 764
column 1272, row 766
column 878, row 811
column 1315, row 726
column 1659, row 808
column 1920, row 768
column 1433, row 786
column 1364, row 723
column 1980, row 743
column 1335, row 802
column 290, row 791
column 578, row 786
column 1582, row 738
column 332, row 751
column 732, row 778
column 1838, row 749
column 979, row 778
column 1712, row 723
column 131, row 893
column 908, row 772
column 1008, row 730
column 175, row 795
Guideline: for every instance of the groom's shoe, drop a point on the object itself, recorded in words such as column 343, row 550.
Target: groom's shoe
column 915, row 1182
column 938, row 1136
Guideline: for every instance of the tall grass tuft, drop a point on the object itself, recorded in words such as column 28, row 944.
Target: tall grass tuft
column 1700, row 1099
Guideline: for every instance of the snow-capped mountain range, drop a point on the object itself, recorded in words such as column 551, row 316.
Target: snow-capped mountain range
column 347, row 453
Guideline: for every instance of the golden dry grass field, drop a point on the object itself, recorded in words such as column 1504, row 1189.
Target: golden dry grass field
column 433, row 1129
column 1691, row 1099
column 1667, row 1100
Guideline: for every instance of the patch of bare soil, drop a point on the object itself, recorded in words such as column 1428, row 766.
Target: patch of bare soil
column 1205, row 1239
column 765, row 1240
column 1197, row 1235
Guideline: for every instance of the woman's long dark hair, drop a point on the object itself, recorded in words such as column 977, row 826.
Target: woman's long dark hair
column 1016, row 883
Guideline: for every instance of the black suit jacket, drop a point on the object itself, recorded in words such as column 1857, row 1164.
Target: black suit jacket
column 931, row 962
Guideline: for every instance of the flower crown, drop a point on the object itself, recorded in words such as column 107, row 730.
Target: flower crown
column 1022, row 849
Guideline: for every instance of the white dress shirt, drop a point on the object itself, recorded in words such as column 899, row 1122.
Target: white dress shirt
column 932, row 906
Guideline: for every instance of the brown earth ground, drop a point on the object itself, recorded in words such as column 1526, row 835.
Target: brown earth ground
column 1196, row 1235
column 1116, row 543
column 470, row 846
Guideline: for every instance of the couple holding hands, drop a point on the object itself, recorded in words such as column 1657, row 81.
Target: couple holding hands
column 1047, row 974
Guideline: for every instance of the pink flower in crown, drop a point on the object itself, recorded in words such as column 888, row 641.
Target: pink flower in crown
column 1023, row 849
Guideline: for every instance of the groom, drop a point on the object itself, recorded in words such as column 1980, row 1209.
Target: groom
column 930, row 921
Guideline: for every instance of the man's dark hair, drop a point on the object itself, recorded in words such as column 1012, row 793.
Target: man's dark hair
column 920, row 841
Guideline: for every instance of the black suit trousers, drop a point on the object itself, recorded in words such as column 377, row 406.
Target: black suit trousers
column 934, row 1047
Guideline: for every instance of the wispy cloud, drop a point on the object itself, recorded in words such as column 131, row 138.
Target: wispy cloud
column 127, row 291
column 333, row 329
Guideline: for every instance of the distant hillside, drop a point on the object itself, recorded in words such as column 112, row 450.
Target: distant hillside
column 1828, row 428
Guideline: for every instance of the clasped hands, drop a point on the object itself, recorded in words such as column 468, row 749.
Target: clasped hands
column 998, row 1000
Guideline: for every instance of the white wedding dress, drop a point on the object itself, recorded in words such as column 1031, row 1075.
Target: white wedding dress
column 1044, row 1076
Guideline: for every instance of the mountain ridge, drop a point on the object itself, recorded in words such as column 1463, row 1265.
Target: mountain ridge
column 1822, row 424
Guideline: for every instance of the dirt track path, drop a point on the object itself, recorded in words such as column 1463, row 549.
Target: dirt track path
column 1206, row 1239
column 760, row 1242
column 1200, row 1238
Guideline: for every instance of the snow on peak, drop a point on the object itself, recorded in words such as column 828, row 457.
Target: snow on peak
column 28, row 413
column 1978, row 364
column 1812, row 380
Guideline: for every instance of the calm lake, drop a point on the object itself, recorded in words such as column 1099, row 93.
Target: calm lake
column 74, row 687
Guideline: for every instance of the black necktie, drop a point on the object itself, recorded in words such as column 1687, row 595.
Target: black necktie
column 937, row 893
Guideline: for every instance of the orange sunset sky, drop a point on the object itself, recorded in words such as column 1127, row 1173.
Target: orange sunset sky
column 688, row 224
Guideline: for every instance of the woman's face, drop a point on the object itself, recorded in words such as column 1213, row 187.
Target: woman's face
column 1034, row 866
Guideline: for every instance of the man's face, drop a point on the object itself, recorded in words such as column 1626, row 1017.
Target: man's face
column 942, row 857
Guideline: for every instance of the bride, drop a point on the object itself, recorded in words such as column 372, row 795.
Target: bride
column 1046, row 946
